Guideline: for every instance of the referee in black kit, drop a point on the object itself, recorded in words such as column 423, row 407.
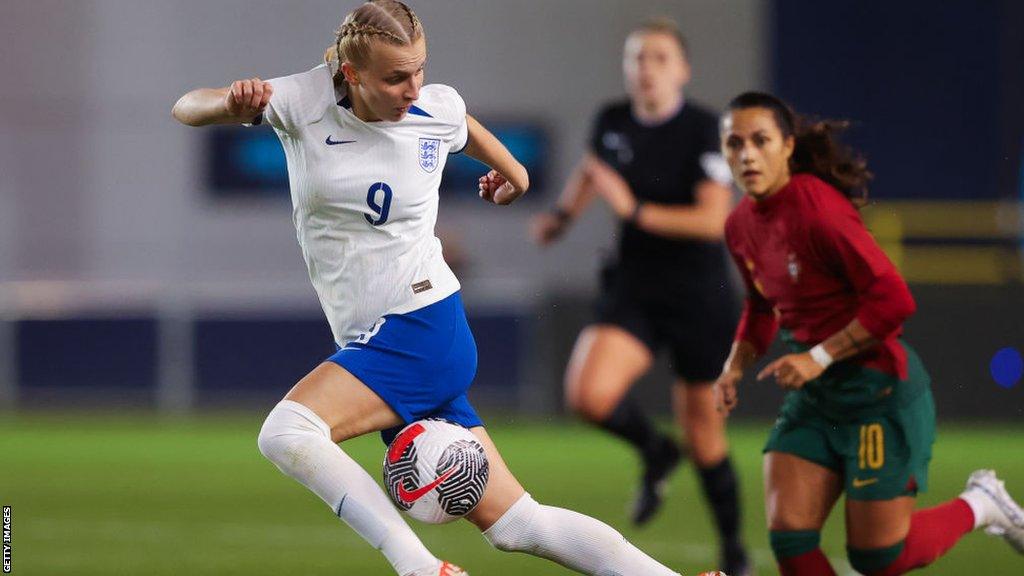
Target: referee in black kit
column 655, row 159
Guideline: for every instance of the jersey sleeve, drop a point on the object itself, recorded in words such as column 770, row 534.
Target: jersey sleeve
column 460, row 135
column 297, row 100
column 840, row 235
column 278, row 112
column 758, row 323
column 711, row 164
column 446, row 104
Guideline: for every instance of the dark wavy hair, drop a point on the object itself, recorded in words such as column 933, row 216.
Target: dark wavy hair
column 817, row 148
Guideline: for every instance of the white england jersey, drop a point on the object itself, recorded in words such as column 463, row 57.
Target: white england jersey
column 365, row 197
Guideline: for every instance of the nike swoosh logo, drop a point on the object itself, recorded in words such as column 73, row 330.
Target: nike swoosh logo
column 858, row 483
column 411, row 496
column 403, row 440
column 336, row 142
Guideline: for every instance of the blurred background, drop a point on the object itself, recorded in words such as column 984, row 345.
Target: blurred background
column 148, row 266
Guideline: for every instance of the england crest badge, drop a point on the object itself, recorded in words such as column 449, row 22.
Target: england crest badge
column 429, row 154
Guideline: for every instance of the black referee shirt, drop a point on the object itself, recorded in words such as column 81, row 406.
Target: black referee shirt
column 663, row 163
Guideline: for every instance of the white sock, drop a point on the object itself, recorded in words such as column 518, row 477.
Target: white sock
column 299, row 443
column 979, row 504
column 571, row 539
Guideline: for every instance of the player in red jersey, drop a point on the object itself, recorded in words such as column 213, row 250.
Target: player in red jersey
column 859, row 417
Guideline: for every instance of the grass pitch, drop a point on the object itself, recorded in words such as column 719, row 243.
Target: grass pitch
column 133, row 494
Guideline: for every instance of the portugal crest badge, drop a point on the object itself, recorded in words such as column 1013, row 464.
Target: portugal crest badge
column 794, row 268
column 429, row 153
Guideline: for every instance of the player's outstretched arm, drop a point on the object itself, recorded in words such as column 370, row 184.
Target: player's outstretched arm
column 704, row 220
column 240, row 103
column 576, row 196
column 508, row 179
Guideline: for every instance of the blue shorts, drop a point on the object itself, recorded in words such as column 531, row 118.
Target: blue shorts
column 420, row 363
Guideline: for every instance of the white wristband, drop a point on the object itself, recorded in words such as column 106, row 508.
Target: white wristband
column 823, row 358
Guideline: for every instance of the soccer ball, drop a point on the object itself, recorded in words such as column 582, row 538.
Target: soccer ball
column 435, row 471
column 712, row 574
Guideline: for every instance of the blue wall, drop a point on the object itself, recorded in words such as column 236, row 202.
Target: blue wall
column 87, row 353
column 924, row 82
column 255, row 356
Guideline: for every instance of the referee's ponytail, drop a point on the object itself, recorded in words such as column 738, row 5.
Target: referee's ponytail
column 817, row 149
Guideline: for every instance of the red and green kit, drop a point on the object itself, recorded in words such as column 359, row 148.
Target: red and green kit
column 811, row 267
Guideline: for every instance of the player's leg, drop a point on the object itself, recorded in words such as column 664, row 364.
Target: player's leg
column 704, row 429
column 888, row 538
column 885, row 536
column 886, row 465
column 513, row 521
column 347, row 405
column 299, row 435
column 605, row 363
column 798, row 497
column 876, row 533
column 701, row 423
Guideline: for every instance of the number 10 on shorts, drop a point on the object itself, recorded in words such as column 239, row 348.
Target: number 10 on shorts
column 871, row 454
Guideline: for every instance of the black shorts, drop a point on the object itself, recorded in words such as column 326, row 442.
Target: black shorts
column 696, row 325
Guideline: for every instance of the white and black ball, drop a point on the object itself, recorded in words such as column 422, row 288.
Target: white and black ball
column 435, row 471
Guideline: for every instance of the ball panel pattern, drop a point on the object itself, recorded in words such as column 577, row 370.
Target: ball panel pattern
column 462, row 491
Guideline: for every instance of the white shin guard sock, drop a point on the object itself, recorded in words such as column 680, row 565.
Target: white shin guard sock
column 571, row 539
column 299, row 443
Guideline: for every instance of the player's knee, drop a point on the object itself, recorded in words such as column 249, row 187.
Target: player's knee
column 707, row 456
column 874, row 561
column 285, row 431
column 783, row 517
column 512, row 532
column 273, row 439
column 590, row 405
column 792, row 543
column 707, row 447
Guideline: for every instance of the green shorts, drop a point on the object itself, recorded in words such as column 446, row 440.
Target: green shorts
column 881, row 454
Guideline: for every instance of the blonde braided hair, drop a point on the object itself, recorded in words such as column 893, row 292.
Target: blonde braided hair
column 389, row 21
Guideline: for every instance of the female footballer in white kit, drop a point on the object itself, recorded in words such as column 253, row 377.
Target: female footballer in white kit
column 366, row 143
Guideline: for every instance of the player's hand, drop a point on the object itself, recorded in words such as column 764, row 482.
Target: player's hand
column 792, row 371
column 611, row 186
column 247, row 98
column 545, row 228
column 495, row 188
column 725, row 390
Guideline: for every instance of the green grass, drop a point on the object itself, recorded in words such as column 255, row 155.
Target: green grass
column 133, row 494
